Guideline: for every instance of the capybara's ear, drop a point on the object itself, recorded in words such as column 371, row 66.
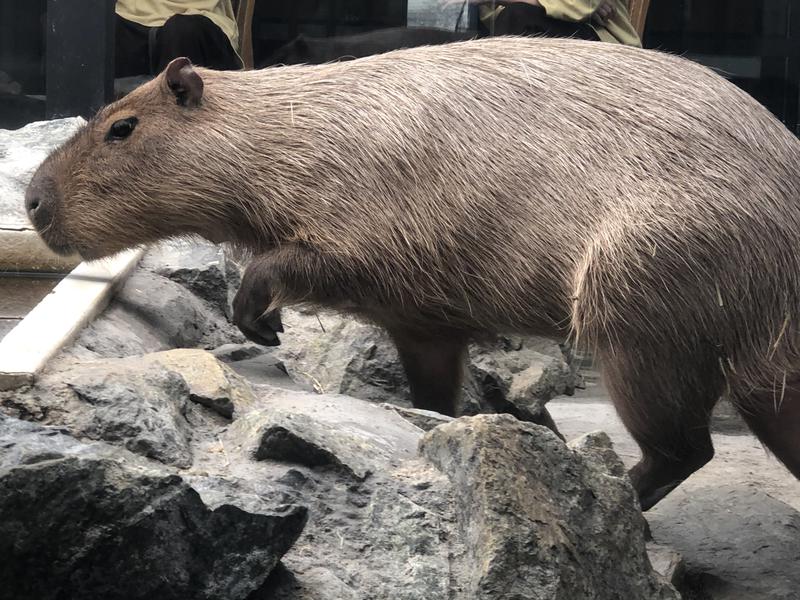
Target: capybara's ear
column 184, row 82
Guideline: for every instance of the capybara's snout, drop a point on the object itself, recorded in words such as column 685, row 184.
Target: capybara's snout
column 41, row 206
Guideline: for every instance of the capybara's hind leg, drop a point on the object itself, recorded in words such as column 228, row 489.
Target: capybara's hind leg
column 774, row 416
column 434, row 367
column 666, row 408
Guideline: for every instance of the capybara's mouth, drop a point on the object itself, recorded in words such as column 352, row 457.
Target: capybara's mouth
column 64, row 250
column 55, row 241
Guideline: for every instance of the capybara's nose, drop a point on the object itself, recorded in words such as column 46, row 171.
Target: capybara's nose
column 32, row 203
column 38, row 201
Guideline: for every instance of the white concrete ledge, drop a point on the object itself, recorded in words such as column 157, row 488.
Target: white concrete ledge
column 57, row 319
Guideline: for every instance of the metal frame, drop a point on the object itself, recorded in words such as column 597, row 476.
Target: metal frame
column 79, row 57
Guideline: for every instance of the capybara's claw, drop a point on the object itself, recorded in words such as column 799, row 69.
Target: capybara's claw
column 260, row 331
column 257, row 327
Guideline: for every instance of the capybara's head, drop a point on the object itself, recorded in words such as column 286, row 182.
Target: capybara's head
column 130, row 176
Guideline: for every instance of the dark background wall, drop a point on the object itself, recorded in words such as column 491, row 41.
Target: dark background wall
column 755, row 44
column 275, row 23
column 21, row 47
column 21, row 51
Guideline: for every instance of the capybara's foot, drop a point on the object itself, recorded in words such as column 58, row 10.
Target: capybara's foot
column 249, row 306
column 261, row 330
column 654, row 477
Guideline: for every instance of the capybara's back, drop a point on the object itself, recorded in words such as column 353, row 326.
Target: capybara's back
column 630, row 198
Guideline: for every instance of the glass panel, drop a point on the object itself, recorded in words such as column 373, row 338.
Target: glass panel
column 750, row 43
column 22, row 84
column 432, row 13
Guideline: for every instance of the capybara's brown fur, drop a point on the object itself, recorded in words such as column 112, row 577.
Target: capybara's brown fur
column 629, row 198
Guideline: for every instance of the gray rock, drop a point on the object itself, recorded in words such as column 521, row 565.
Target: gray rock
column 324, row 431
column 315, row 583
column 198, row 266
column 22, row 443
column 267, row 370
column 668, row 563
column 179, row 316
column 142, row 403
column 382, row 536
column 735, row 548
column 117, row 332
column 82, row 525
column 519, row 376
column 597, row 450
column 210, row 382
column 237, row 352
column 412, row 534
column 343, row 356
column 337, row 355
column 144, row 411
column 391, row 536
column 424, row 419
column 541, row 520
column 153, row 313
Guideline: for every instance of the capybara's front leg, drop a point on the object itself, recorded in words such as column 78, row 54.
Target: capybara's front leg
column 290, row 274
column 434, row 368
column 253, row 298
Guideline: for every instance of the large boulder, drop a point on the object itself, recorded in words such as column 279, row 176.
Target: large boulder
column 492, row 509
column 542, row 520
column 143, row 403
column 84, row 522
column 355, row 437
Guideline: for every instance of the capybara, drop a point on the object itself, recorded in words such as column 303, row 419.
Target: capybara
column 316, row 50
column 630, row 199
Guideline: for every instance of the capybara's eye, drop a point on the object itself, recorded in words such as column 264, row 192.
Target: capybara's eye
column 122, row 128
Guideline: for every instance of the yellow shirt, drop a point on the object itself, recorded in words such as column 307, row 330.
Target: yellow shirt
column 154, row 13
column 618, row 29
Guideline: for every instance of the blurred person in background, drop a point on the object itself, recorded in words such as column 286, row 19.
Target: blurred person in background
column 599, row 20
column 150, row 33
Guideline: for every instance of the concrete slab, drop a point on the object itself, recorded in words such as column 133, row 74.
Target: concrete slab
column 55, row 321
column 19, row 294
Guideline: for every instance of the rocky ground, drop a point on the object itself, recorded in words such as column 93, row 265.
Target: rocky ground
column 162, row 456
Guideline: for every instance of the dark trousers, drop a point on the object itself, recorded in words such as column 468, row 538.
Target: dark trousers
column 524, row 19
column 144, row 50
